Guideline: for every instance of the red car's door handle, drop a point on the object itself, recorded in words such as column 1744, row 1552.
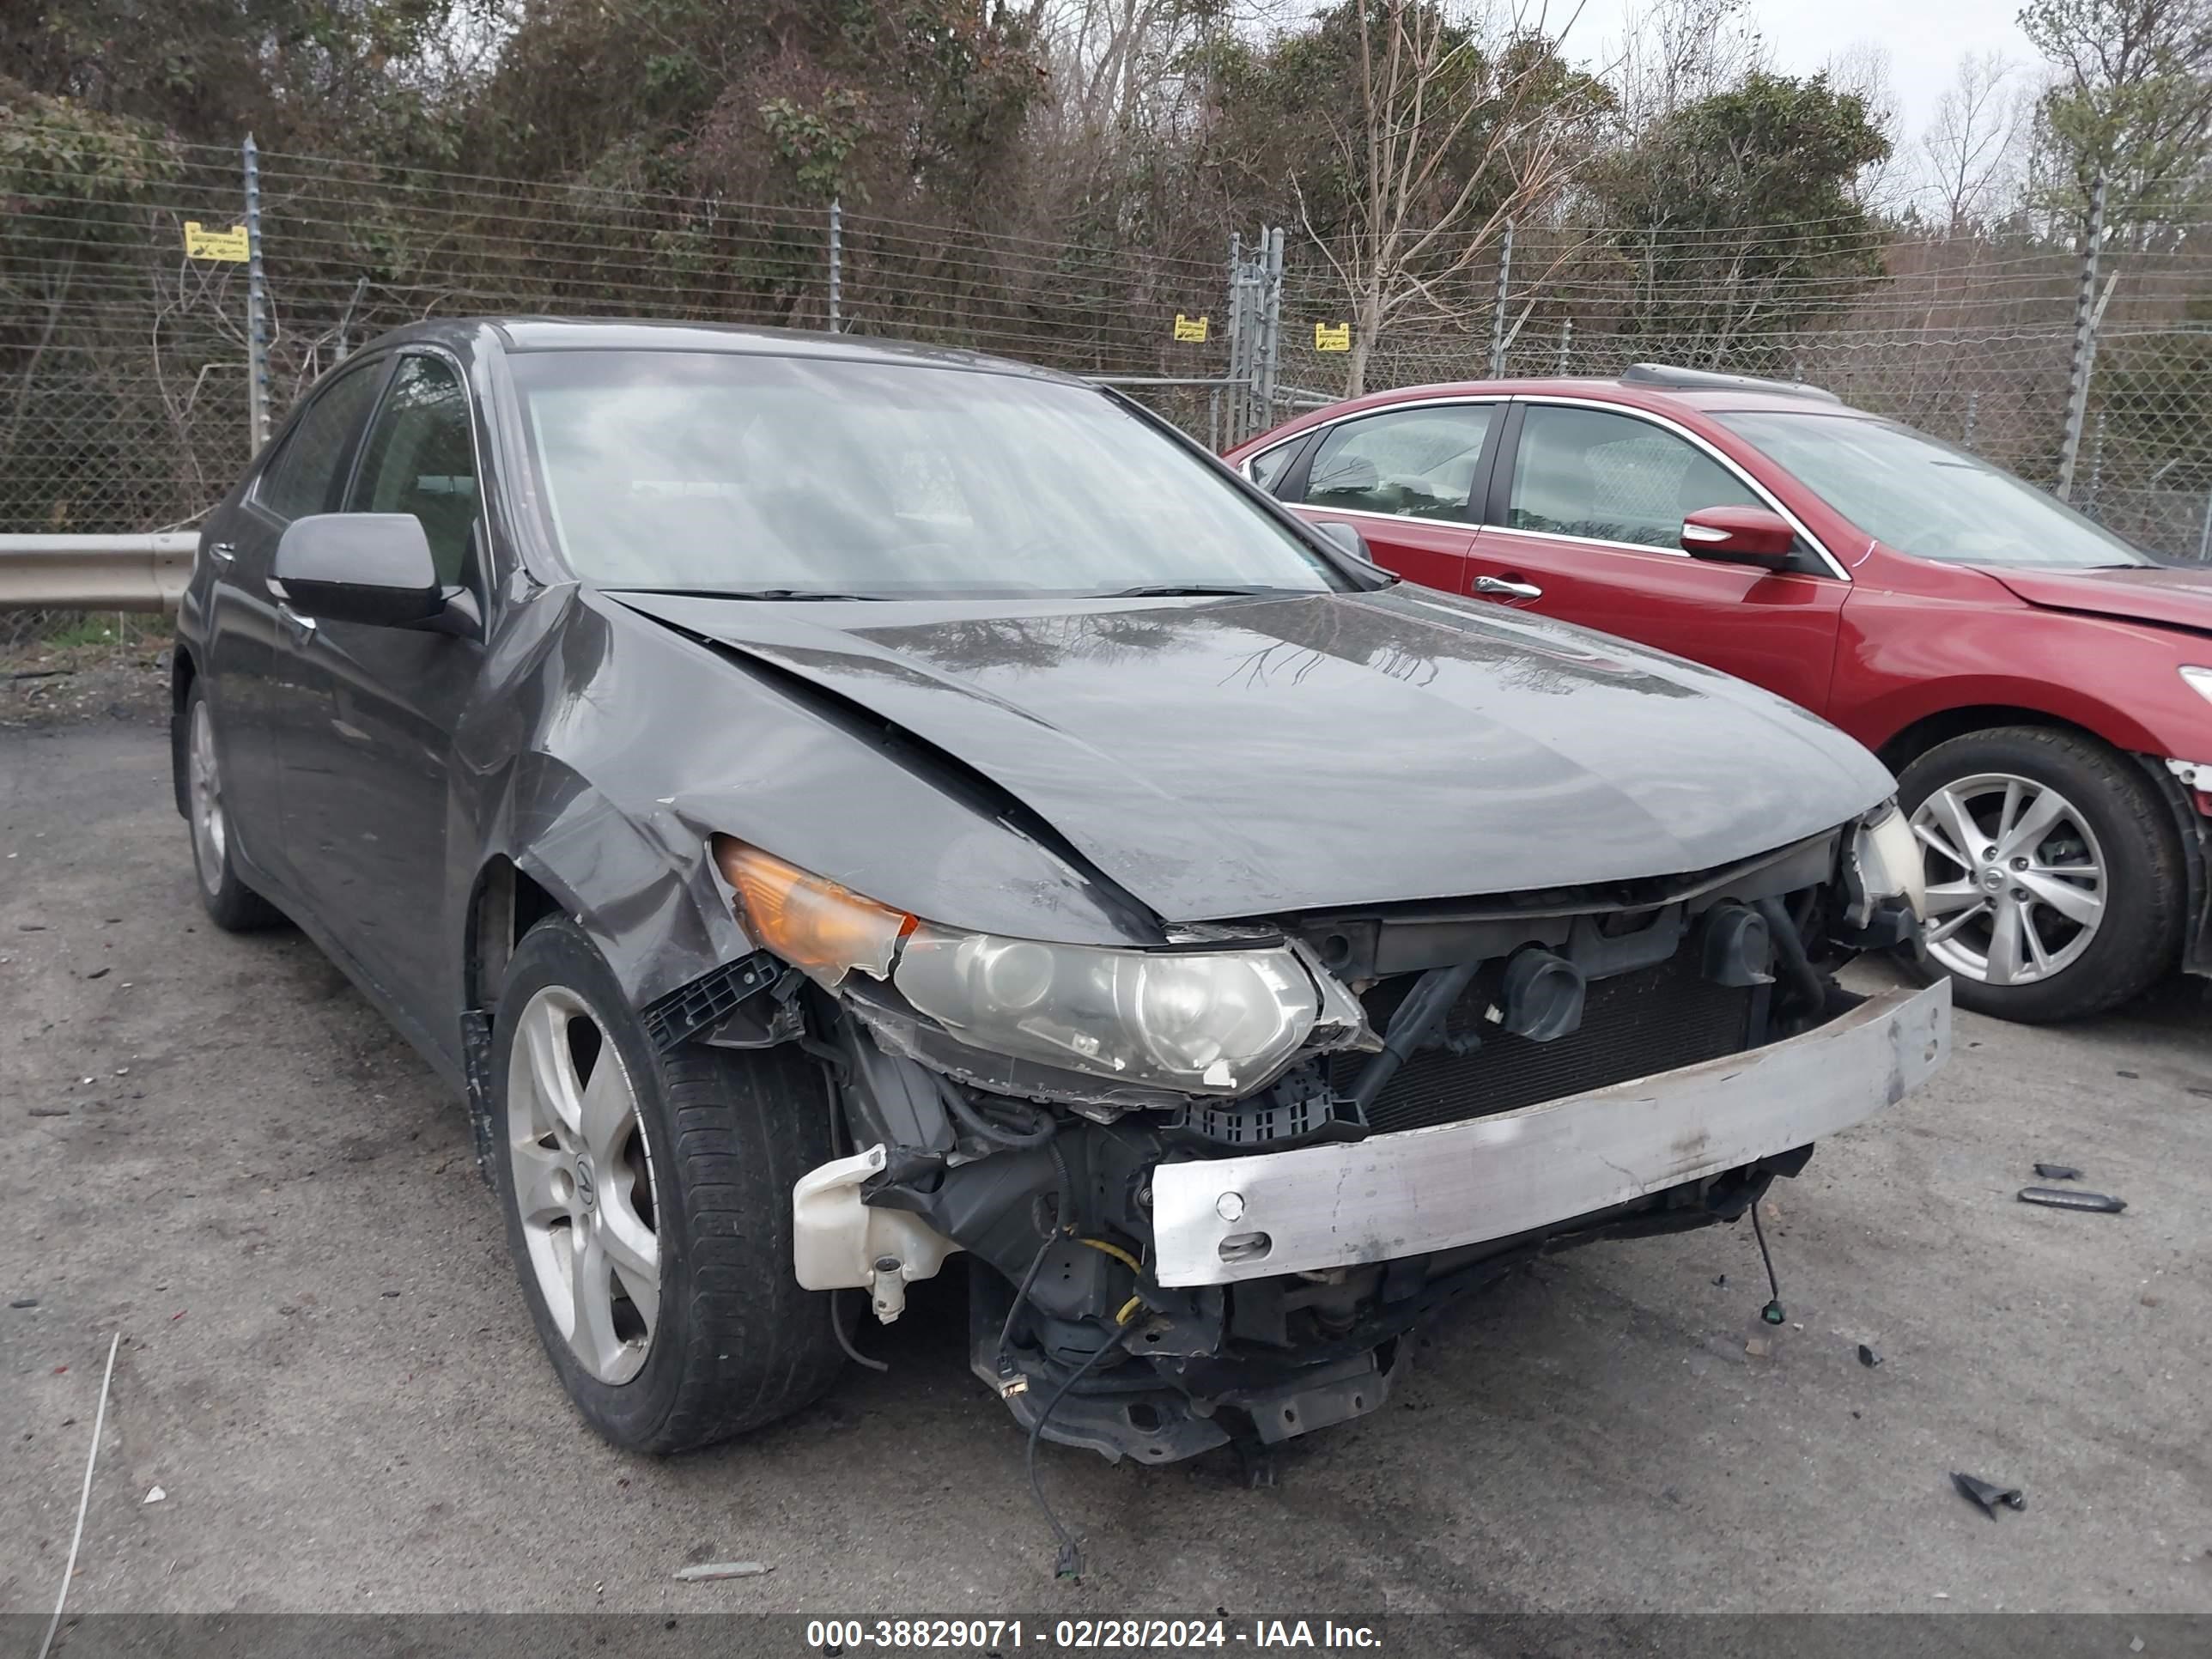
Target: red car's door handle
column 1504, row 588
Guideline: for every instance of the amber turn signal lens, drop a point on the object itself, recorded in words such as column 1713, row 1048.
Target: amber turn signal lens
column 810, row 923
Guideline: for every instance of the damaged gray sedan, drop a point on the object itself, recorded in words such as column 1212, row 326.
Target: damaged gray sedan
column 828, row 806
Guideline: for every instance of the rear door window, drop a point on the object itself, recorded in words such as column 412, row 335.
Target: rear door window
column 304, row 474
column 1417, row 463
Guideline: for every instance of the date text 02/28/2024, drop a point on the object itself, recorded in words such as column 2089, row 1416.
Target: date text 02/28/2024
column 834, row 1636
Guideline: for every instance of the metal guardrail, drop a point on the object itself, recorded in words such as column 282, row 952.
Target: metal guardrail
column 96, row 573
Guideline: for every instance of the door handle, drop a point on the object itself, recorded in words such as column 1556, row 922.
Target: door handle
column 1504, row 589
column 222, row 552
column 303, row 627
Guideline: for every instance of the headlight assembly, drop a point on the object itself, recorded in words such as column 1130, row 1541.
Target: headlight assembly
column 1889, row 858
column 1206, row 1022
column 1215, row 1022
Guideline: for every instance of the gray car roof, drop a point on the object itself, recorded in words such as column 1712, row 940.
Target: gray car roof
column 519, row 334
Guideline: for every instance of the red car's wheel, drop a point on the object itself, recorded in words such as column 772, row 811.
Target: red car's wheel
column 2055, row 883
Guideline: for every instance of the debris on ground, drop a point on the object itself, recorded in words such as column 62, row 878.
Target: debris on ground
column 1868, row 1357
column 24, row 1302
column 1988, row 1494
column 706, row 1570
column 1757, row 1346
column 99, row 973
column 2057, row 1172
column 153, row 1495
column 2103, row 1203
column 1722, row 1280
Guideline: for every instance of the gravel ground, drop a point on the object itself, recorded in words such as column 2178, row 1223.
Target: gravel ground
column 215, row 1148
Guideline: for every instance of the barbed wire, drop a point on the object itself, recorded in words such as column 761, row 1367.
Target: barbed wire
column 122, row 360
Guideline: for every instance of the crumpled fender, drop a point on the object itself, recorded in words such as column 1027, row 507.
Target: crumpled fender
column 607, row 801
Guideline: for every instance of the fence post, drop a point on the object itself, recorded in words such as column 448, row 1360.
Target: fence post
column 1241, row 342
column 345, row 321
column 1498, row 316
column 1270, row 325
column 2204, row 536
column 1236, row 296
column 1973, row 408
column 836, row 265
column 257, row 308
column 2085, row 343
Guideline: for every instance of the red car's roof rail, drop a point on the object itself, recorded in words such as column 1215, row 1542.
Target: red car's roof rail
column 1706, row 380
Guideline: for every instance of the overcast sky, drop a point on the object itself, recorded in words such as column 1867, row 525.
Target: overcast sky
column 1924, row 38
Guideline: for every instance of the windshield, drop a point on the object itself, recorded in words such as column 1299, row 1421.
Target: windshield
column 741, row 472
column 1925, row 498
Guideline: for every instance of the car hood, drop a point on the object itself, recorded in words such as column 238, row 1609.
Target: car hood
column 1242, row 757
column 2148, row 593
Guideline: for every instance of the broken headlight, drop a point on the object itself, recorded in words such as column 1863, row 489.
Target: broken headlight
column 1198, row 1021
column 1888, row 859
column 1202, row 1021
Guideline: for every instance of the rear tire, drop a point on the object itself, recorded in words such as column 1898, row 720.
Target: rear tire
column 2104, row 816
column 710, row 1143
column 230, row 903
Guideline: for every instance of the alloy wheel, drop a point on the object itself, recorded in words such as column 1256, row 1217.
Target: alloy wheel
column 2016, row 879
column 210, row 830
column 583, row 1184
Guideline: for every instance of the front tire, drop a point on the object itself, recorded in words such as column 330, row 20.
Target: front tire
column 2055, row 878
column 647, row 1199
column 230, row 903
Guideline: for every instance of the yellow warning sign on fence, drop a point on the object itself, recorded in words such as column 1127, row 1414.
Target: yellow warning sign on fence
column 1192, row 328
column 201, row 243
column 1332, row 337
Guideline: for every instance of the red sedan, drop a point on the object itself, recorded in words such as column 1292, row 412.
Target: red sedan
column 2042, row 688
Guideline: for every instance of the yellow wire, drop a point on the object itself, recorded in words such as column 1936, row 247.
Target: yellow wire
column 1115, row 1251
column 1128, row 1310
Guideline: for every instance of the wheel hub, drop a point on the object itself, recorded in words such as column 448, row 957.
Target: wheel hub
column 2015, row 879
column 583, row 1184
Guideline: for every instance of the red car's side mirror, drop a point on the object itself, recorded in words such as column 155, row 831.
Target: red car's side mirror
column 1740, row 535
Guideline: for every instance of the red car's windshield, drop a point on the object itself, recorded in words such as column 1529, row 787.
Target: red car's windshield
column 1926, row 498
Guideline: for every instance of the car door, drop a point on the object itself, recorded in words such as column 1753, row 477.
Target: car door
column 302, row 474
column 1584, row 522
column 1404, row 475
column 365, row 767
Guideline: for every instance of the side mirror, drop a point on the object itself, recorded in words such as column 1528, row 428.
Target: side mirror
column 1347, row 538
column 373, row 567
column 1740, row 535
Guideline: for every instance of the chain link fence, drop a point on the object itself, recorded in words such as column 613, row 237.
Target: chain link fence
column 125, row 358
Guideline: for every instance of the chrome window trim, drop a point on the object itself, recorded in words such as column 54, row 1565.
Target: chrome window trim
column 1466, row 526
column 1835, row 566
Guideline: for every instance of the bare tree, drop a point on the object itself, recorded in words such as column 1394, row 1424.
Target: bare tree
column 1452, row 135
column 1970, row 150
column 1862, row 70
column 1681, row 51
